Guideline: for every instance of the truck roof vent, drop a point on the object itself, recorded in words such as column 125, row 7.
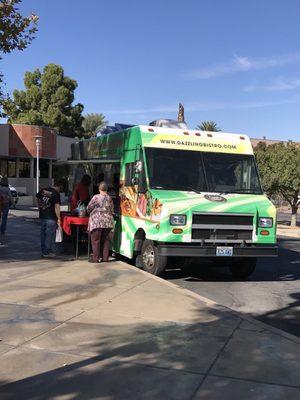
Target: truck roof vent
column 169, row 123
column 110, row 129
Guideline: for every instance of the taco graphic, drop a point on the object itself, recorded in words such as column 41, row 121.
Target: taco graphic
column 141, row 208
column 156, row 210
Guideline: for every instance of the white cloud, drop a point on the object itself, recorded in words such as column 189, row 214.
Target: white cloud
column 242, row 64
column 278, row 84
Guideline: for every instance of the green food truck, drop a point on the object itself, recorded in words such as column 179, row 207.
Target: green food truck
column 182, row 193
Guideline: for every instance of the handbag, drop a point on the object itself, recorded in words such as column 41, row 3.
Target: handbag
column 59, row 235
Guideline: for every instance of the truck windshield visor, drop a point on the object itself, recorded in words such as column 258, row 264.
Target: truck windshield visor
column 196, row 171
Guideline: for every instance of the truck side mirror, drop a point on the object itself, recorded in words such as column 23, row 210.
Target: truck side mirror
column 138, row 167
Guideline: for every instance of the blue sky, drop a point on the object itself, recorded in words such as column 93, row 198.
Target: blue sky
column 235, row 62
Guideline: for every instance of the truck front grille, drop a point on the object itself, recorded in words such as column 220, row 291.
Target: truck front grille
column 222, row 228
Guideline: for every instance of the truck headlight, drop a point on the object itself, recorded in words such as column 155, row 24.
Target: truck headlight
column 265, row 222
column 177, row 219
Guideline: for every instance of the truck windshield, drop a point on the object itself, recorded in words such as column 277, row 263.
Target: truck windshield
column 202, row 171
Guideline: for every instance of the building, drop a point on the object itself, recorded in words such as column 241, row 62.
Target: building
column 269, row 142
column 18, row 155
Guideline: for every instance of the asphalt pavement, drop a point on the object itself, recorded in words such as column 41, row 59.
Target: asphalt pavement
column 271, row 294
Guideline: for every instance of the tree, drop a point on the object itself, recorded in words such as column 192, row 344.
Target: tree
column 47, row 100
column 279, row 167
column 16, row 31
column 92, row 123
column 209, row 126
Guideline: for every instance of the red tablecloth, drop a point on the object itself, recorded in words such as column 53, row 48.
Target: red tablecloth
column 69, row 220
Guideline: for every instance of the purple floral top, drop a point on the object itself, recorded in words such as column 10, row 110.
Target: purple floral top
column 101, row 210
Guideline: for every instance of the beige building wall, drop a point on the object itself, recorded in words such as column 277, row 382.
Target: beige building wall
column 63, row 147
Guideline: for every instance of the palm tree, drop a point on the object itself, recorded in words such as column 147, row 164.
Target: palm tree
column 92, row 123
column 209, row 126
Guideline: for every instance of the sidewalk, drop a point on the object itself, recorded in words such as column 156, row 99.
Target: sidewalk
column 284, row 231
column 74, row 330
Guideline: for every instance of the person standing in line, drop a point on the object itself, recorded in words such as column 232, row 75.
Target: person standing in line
column 6, row 200
column 81, row 192
column 49, row 214
column 101, row 222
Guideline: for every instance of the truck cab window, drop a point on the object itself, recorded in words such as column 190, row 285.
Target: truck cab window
column 129, row 173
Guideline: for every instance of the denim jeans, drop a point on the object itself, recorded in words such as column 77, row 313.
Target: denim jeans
column 48, row 233
column 4, row 219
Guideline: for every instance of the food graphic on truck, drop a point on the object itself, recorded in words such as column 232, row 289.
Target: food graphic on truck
column 183, row 193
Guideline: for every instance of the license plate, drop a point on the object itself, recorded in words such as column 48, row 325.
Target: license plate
column 224, row 251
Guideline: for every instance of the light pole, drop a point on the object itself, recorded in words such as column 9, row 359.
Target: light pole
column 38, row 141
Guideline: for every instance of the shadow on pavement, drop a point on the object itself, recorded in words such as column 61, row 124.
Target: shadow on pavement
column 285, row 316
column 23, row 242
column 80, row 359
column 285, row 268
column 166, row 361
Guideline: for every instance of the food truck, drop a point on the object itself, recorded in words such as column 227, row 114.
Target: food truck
column 182, row 193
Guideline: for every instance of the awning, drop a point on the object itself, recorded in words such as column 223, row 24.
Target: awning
column 97, row 161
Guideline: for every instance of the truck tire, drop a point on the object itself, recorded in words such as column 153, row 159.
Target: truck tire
column 150, row 260
column 243, row 268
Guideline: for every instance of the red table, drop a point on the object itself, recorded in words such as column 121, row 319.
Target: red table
column 68, row 221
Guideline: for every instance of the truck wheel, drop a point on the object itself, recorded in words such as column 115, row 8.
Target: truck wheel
column 150, row 260
column 243, row 268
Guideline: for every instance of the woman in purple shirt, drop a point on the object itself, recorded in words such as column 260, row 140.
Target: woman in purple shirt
column 101, row 222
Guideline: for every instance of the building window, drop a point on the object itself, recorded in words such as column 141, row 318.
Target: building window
column 3, row 167
column 24, row 169
column 44, row 168
column 11, row 168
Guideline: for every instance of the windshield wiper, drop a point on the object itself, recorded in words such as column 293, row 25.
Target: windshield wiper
column 179, row 187
column 190, row 188
column 250, row 191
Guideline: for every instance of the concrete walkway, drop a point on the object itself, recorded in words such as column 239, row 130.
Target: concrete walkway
column 284, row 231
column 74, row 330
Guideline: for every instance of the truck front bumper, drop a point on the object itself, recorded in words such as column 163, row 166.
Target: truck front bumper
column 192, row 250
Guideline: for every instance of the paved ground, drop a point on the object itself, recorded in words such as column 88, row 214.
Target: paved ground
column 74, row 330
column 271, row 294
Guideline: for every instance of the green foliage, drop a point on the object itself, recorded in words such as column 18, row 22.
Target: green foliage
column 279, row 167
column 209, row 126
column 93, row 122
column 16, row 31
column 47, row 100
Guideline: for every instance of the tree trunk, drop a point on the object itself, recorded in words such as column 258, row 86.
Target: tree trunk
column 294, row 215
